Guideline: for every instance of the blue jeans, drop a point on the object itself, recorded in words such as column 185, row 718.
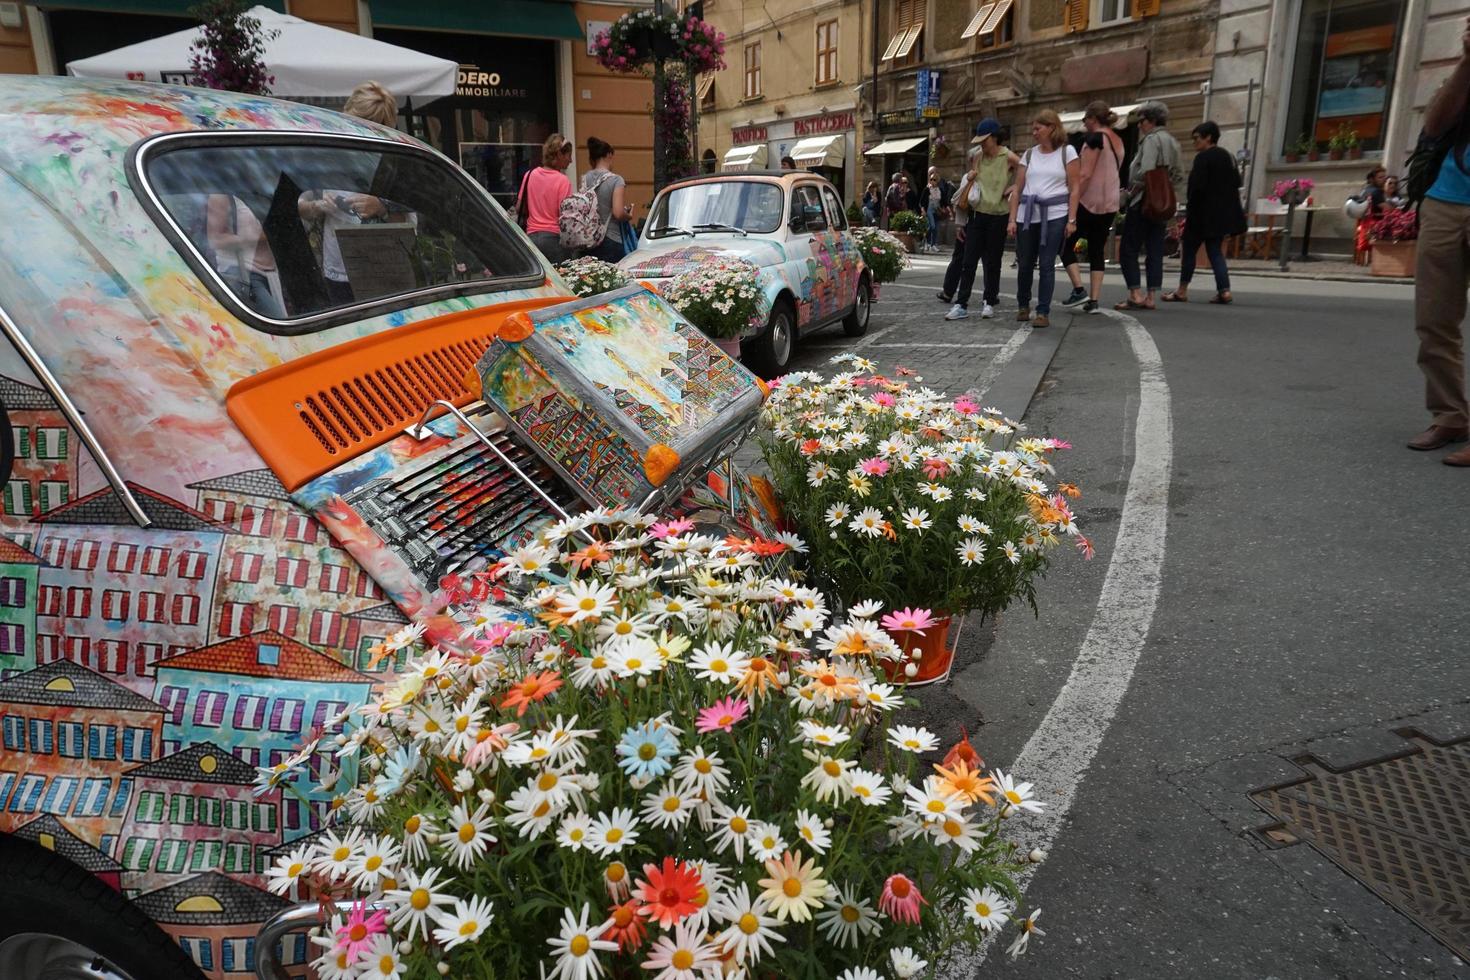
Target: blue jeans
column 1141, row 233
column 1187, row 250
column 1038, row 242
column 933, row 237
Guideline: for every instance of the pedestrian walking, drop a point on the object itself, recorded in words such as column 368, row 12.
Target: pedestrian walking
column 910, row 194
column 1153, row 182
column 894, row 200
column 1212, row 213
column 980, row 242
column 1393, row 196
column 872, row 202
column 543, row 188
column 929, row 200
column 612, row 206
column 1442, row 267
column 1101, row 165
column 1043, row 212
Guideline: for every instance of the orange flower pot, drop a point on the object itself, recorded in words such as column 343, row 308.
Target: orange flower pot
column 936, row 648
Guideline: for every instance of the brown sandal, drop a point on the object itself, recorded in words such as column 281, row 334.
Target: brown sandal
column 1174, row 297
column 1222, row 299
column 1129, row 304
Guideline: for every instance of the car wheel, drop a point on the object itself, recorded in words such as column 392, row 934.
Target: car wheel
column 855, row 324
column 769, row 353
column 58, row 920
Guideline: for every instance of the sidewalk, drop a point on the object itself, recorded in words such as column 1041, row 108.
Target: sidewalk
column 1322, row 268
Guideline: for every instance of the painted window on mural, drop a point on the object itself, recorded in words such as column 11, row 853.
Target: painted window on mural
column 1342, row 74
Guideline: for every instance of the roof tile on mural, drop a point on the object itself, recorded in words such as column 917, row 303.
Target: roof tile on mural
column 212, row 899
column 295, row 661
column 383, row 612
column 67, row 844
column 202, row 762
column 13, row 554
column 65, row 682
column 255, row 483
column 23, row 397
column 106, row 507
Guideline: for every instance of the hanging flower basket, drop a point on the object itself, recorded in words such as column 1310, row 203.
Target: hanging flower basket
column 638, row 39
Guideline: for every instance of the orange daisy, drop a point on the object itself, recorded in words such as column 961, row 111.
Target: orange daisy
column 759, row 674
column 963, row 751
column 590, row 555
column 668, row 894
column 535, row 687
column 963, row 781
column 828, row 682
column 624, row 926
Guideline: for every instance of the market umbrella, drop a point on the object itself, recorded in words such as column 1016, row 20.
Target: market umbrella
column 307, row 60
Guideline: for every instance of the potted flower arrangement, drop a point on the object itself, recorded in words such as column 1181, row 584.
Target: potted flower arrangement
column 1395, row 238
column 721, row 297
column 1295, row 151
column 636, row 39
column 909, row 226
column 1342, row 141
column 939, row 148
column 661, row 757
column 588, row 276
column 929, row 505
column 883, row 254
column 1292, row 191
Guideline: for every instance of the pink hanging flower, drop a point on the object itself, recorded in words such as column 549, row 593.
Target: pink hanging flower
column 901, row 899
column 909, row 620
column 936, row 469
column 874, row 467
column 356, row 934
column 885, row 399
column 722, row 715
column 667, row 529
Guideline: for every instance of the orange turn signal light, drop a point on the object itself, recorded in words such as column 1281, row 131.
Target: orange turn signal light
column 516, row 327
column 659, row 463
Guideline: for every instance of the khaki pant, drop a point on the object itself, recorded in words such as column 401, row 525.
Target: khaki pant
column 1441, row 278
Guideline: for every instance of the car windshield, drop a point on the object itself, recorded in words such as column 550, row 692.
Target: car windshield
column 750, row 205
column 295, row 232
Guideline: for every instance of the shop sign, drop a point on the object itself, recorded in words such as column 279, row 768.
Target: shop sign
column 833, row 122
column 926, row 94
column 474, row 82
column 748, row 134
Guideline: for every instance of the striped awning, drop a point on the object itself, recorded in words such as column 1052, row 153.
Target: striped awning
column 821, row 151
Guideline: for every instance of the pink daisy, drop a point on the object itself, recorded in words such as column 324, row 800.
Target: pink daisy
column 885, row 399
column 722, row 714
column 667, row 529
column 874, row 466
column 964, row 406
column 356, row 934
column 936, row 469
column 901, row 899
column 912, row 620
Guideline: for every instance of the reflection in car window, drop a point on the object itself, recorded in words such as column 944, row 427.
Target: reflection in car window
column 803, row 198
column 835, row 214
column 748, row 204
column 300, row 229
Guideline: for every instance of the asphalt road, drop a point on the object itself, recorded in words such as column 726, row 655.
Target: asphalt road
column 1290, row 579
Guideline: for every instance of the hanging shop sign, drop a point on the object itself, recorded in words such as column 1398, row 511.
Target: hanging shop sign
column 926, row 94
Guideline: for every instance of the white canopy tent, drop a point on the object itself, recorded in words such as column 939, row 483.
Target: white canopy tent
column 307, row 60
column 893, row 147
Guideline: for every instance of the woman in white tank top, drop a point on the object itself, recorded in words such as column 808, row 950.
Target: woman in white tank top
column 1043, row 212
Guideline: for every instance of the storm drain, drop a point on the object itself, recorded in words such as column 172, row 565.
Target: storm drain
column 1400, row 825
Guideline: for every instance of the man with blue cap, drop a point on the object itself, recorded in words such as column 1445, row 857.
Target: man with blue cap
column 981, row 203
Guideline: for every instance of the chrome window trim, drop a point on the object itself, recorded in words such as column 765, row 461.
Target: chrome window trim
column 137, row 166
column 73, row 416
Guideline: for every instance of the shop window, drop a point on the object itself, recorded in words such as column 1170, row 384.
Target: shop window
column 753, row 70
column 905, row 47
column 1342, row 75
column 826, row 52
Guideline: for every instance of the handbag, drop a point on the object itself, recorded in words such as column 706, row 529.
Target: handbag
column 1159, row 201
column 520, row 206
column 630, row 238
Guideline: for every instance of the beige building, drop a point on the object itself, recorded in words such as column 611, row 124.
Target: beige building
column 791, row 88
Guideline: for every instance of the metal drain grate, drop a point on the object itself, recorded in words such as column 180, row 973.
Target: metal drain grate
column 1400, row 825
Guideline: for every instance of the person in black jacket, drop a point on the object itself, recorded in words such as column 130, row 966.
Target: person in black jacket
column 1212, row 213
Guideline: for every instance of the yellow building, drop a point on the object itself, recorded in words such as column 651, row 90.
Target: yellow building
column 792, row 87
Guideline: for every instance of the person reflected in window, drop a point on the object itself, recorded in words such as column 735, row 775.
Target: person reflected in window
column 242, row 256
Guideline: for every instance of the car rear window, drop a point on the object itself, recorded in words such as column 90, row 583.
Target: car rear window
column 300, row 234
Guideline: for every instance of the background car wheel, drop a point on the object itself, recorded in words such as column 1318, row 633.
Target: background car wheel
column 768, row 354
column 855, row 324
column 59, row 921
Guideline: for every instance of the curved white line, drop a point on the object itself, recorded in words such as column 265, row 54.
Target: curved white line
column 1059, row 752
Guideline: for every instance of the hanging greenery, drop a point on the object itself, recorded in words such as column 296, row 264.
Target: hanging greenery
column 230, row 52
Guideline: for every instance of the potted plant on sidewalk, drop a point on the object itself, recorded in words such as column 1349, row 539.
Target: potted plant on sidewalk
column 883, row 254
column 930, row 506
column 908, row 227
column 722, row 297
column 1395, row 238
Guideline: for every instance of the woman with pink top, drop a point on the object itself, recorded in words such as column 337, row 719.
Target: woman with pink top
column 539, row 203
column 1102, row 156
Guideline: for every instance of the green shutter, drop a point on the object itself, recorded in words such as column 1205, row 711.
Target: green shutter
column 22, row 441
column 181, row 809
column 520, row 18
column 265, row 817
column 137, row 852
column 150, row 807
column 208, row 810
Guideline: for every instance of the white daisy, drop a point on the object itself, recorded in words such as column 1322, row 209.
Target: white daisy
column 594, row 671
column 467, row 836
column 585, row 600
column 956, row 829
column 418, row 830
column 847, row 917
column 415, row 900
column 765, row 841
column 750, row 931
column 866, row 609
column 576, row 946
column 868, row 787
column 612, row 831
column 1028, row 929
column 884, row 697
column 986, row 908
column 731, row 830
column 702, row 774
column 971, row 551
column 381, row 960
column 669, row 807
column 828, row 779
column 718, row 662
column 809, row 828
column 910, row 739
column 917, row 519
column 624, row 626
column 287, row 871
column 1015, row 796
column 683, row 955
column 333, row 856
column 465, row 924
column 906, row 962
column 818, row 734
column 818, row 473
column 378, row 860
column 1013, row 554
column 869, row 521
column 573, row 830
column 634, row 658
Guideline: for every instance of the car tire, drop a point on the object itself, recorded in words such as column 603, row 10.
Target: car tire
column 768, row 353
column 57, row 919
column 855, row 324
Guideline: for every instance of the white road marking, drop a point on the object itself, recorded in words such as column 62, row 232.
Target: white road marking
column 1063, row 746
column 1000, row 360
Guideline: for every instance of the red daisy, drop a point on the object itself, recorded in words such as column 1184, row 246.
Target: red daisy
column 668, row 893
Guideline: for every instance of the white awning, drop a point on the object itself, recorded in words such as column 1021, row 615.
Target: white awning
column 821, row 151
column 893, row 146
column 1127, row 115
column 749, row 157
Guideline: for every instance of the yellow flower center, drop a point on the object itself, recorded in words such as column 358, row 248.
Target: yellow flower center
column 373, row 863
column 386, row 965
column 718, row 666
column 647, row 751
column 462, row 723
column 791, row 887
column 413, row 823
column 671, row 804
column 623, row 629
column 703, row 767
column 935, row 806
column 418, row 900
column 466, row 833
column 615, row 871
column 861, row 790
column 542, row 808
column 982, row 910
column 749, row 924
column 469, row 928
column 547, row 781
column 431, row 726
column 682, row 959
column 635, row 663
column 598, row 663
column 831, row 768
column 1013, row 796
column 576, row 834
column 579, row 945
column 294, row 870
column 738, row 825
column 806, row 832
column 613, row 836
column 911, row 743
column 588, row 604
column 850, row 913
column 953, row 828
column 340, row 854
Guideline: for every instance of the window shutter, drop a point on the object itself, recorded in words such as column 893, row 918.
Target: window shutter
column 1077, row 15
column 1146, row 8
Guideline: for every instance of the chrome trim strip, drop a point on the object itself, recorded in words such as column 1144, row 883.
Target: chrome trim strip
column 73, row 416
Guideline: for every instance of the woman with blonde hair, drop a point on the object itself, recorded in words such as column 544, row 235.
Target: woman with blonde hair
column 538, row 206
column 1101, row 160
column 1043, row 212
column 373, row 102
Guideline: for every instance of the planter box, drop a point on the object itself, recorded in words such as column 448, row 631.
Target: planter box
column 1394, row 258
column 909, row 242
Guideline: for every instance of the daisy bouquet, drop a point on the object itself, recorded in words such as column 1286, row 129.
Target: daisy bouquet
column 722, row 297
column 910, row 497
column 588, row 276
column 662, row 762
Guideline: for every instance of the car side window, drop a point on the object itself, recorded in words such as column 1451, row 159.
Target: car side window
column 806, row 209
column 835, row 214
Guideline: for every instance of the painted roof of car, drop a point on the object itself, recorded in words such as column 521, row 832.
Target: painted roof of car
column 133, row 335
column 787, row 177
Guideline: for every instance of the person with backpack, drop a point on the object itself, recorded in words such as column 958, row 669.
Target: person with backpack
column 606, row 190
column 543, row 188
column 1442, row 265
column 1153, row 182
column 1101, row 161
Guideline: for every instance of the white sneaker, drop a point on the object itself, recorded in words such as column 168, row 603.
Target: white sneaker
column 957, row 312
column 987, row 311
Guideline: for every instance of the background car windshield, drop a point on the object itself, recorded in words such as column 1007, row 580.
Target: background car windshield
column 748, row 204
column 298, row 230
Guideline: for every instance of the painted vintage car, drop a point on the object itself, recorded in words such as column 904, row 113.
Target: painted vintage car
column 224, row 319
column 789, row 223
